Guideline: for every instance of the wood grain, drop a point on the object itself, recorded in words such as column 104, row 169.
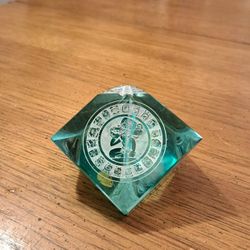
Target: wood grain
column 193, row 56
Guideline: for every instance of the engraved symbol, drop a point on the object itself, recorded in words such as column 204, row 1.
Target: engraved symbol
column 98, row 121
column 124, row 140
column 153, row 153
column 138, row 167
column 115, row 109
column 105, row 114
column 156, row 133
column 128, row 171
column 145, row 115
column 118, row 171
column 94, row 132
column 156, row 143
column 100, row 161
column 125, row 134
column 125, row 108
column 91, row 143
column 107, row 168
column 147, row 162
column 151, row 123
column 93, row 153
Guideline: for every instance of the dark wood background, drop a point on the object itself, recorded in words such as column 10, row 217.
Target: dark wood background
column 55, row 56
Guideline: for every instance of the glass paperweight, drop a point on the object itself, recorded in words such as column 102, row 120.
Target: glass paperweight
column 125, row 142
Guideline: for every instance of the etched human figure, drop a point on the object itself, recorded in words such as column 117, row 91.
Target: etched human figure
column 125, row 134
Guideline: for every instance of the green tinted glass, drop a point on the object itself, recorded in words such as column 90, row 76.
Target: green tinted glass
column 125, row 141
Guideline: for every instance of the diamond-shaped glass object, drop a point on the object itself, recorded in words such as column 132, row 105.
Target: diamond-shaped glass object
column 125, row 141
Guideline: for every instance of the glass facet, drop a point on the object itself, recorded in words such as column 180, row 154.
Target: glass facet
column 125, row 142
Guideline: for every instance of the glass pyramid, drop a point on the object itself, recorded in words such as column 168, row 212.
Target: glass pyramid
column 125, row 142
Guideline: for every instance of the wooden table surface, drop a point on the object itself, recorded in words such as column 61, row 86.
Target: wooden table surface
column 55, row 56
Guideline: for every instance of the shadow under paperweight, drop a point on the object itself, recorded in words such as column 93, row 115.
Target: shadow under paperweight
column 125, row 142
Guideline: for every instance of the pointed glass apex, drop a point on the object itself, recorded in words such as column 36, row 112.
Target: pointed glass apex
column 125, row 142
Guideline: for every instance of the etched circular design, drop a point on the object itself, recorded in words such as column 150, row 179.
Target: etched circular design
column 124, row 140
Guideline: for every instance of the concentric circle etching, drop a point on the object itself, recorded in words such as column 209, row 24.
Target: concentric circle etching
column 124, row 140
